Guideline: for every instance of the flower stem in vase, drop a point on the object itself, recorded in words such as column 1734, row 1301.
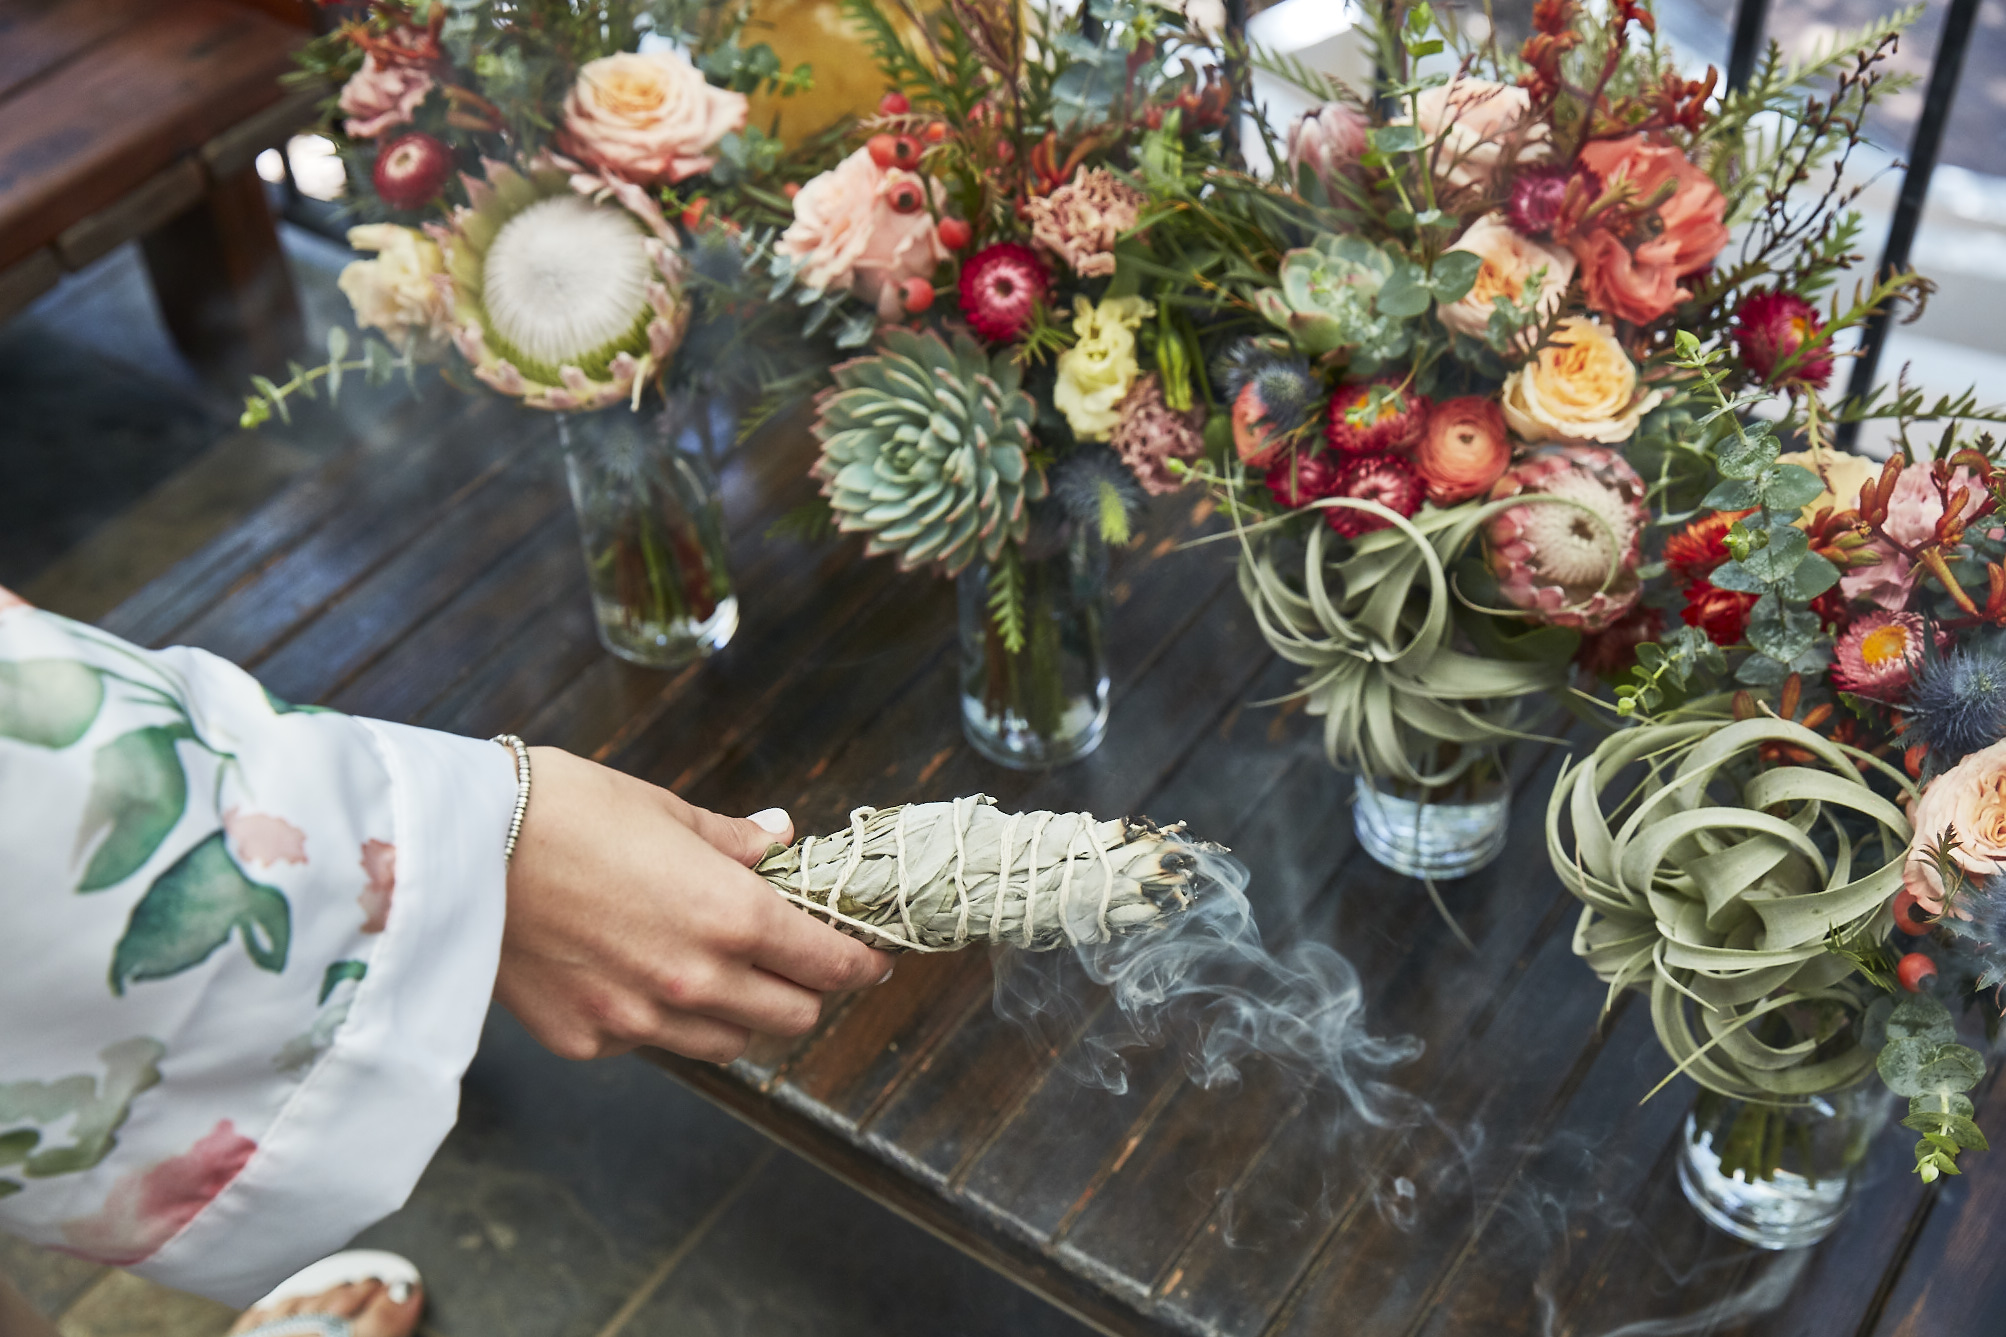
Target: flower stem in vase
column 1034, row 679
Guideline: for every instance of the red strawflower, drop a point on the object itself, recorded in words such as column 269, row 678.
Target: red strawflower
column 1694, row 552
column 412, row 170
column 1536, row 196
column 1613, row 651
column 1386, row 479
column 1396, row 425
column 1834, row 610
column 1721, row 614
column 1000, row 285
column 1774, row 325
column 1302, row 480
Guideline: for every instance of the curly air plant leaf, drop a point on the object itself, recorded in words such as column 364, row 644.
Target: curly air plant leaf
column 934, row 877
column 1719, row 885
column 1383, row 671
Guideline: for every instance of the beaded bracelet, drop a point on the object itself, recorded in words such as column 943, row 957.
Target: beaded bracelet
column 521, row 750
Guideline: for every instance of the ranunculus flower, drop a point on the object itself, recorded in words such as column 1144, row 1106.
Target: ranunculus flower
column 1081, row 220
column 1510, row 262
column 1913, row 510
column 1097, row 372
column 1478, row 123
column 1640, row 282
column 378, row 97
column 1970, row 798
column 847, row 234
column 1581, row 387
column 649, row 116
column 399, row 291
column 1877, row 656
column 1463, row 449
column 1329, row 141
column 1772, row 326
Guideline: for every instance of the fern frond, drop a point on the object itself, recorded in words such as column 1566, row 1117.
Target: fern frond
column 810, row 522
column 1006, row 600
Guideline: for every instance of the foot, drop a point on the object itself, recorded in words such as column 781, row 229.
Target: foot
column 371, row 1308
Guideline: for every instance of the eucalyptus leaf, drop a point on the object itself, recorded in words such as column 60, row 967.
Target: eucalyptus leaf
column 1919, row 1068
column 1734, row 494
column 1789, row 488
column 1749, row 455
column 1454, row 274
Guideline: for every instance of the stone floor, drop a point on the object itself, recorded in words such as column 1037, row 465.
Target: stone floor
column 573, row 1200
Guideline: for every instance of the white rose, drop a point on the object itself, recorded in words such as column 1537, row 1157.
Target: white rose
column 1581, row 387
column 398, row 292
column 1510, row 262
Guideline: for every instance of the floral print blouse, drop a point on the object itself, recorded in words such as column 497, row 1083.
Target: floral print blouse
column 245, row 952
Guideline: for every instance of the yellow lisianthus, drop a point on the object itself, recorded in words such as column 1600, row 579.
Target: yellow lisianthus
column 1098, row 371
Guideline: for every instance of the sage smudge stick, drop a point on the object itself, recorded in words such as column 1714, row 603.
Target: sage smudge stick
column 932, row 877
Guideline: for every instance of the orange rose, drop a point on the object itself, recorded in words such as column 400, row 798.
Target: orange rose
column 1463, row 449
column 1681, row 234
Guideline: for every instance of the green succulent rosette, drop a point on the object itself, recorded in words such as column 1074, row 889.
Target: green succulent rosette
column 1326, row 296
column 567, row 288
column 1733, row 870
column 1376, row 632
column 926, row 450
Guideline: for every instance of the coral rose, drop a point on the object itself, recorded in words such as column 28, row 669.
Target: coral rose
column 1682, row 234
column 648, row 116
column 1513, row 267
column 1580, row 387
column 1478, row 123
column 847, row 233
column 1463, row 449
column 1098, row 371
column 379, row 97
column 399, row 291
column 1969, row 798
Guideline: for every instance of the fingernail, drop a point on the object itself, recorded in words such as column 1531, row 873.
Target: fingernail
column 400, row 1291
column 887, row 975
column 773, row 821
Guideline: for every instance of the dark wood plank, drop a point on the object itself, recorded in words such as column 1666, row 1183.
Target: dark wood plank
column 39, row 37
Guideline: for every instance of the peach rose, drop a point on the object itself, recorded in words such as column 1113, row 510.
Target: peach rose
column 378, row 97
column 649, row 116
column 399, row 291
column 1581, row 387
column 1477, row 122
column 1463, row 449
column 1970, row 797
column 847, row 233
column 1680, row 236
column 1510, row 263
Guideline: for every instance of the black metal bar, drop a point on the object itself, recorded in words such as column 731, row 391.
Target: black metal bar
column 1239, row 79
column 1922, row 155
column 1750, row 18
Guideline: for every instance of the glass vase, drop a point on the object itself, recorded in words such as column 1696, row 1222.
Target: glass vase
column 1439, row 832
column 652, row 529
column 1044, row 701
column 1778, row 1176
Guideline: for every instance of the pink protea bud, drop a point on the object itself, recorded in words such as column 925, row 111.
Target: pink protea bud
column 1770, row 327
column 1572, row 561
column 1386, row 479
column 1000, row 285
column 411, row 170
column 1537, row 195
column 1328, row 141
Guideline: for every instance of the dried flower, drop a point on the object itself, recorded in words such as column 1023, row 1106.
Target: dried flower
column 1151, row 434
column 1533, row 206
column 1463, row 449
column 1386, row 479
column 1878, row 655
column 1961, row 816
column 1097, row 372
column 648, row 116
column 382, row 95
column 1571, row 562
column 1081, row 220
column 1374, row 418
column 1957, row 703
column 1301, row 478
column 1694, row 552
column 1613, row 652
column 1000, row 286
column 1771, row 327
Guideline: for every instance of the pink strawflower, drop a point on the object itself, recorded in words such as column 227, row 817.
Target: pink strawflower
column 1300, row 479
column 1151, row 434
column 1533, row 206
column 1000, row 285
column 1081, row 220
column 1570, row 565
column 1386, row 479
column 1771, row 326
column 1878, row 654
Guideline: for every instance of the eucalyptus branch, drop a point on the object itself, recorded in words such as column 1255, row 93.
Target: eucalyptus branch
column 379, row 363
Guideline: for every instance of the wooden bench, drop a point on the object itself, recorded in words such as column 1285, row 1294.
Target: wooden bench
column 123, row 119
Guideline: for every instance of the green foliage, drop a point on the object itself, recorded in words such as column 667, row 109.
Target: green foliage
column 1666, row 670
column 1922, row 1060
column 379, row 365
column 810, row 522
column 1006, row 599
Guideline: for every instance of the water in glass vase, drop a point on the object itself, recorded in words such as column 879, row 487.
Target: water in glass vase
column 1045, row 702
column 1778, row 1176
column 652, row 529
column 1442, row 831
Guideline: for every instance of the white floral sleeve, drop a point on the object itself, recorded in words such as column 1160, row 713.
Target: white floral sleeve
column 245, row 952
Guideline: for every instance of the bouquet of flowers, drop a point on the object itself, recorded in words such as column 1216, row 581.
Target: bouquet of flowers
column 1458, row 420
column 1023, row 384
column 560, row 201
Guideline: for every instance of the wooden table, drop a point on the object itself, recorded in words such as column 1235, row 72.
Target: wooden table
column 434, row 576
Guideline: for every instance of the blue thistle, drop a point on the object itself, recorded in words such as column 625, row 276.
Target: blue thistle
column 1958, row 703
column 1288, row 391
column 1093, row 487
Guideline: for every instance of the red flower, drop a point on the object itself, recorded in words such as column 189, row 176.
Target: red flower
column 1301, row 481
column 1536, row 196
column 1611, row 652
column 1386, row 479
column 1463, row 449
column 1000, row 285
column 1772, row 327
column 1694, row 552
column 411, row 170
column 1721, row 614
column 1395, row 425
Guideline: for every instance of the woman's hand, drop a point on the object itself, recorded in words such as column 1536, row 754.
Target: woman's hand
column 633, row 920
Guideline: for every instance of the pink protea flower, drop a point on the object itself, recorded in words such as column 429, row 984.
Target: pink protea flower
column 1329, row 141
column 1386, row 479
column 1555, row 560
column 1081, row 220
column 1533, row 206
column 1151, row 434
column 1000, row 285
column 1771, row 326
column 1877, row 656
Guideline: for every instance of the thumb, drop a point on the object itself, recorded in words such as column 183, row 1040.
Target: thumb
column 743, row 839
